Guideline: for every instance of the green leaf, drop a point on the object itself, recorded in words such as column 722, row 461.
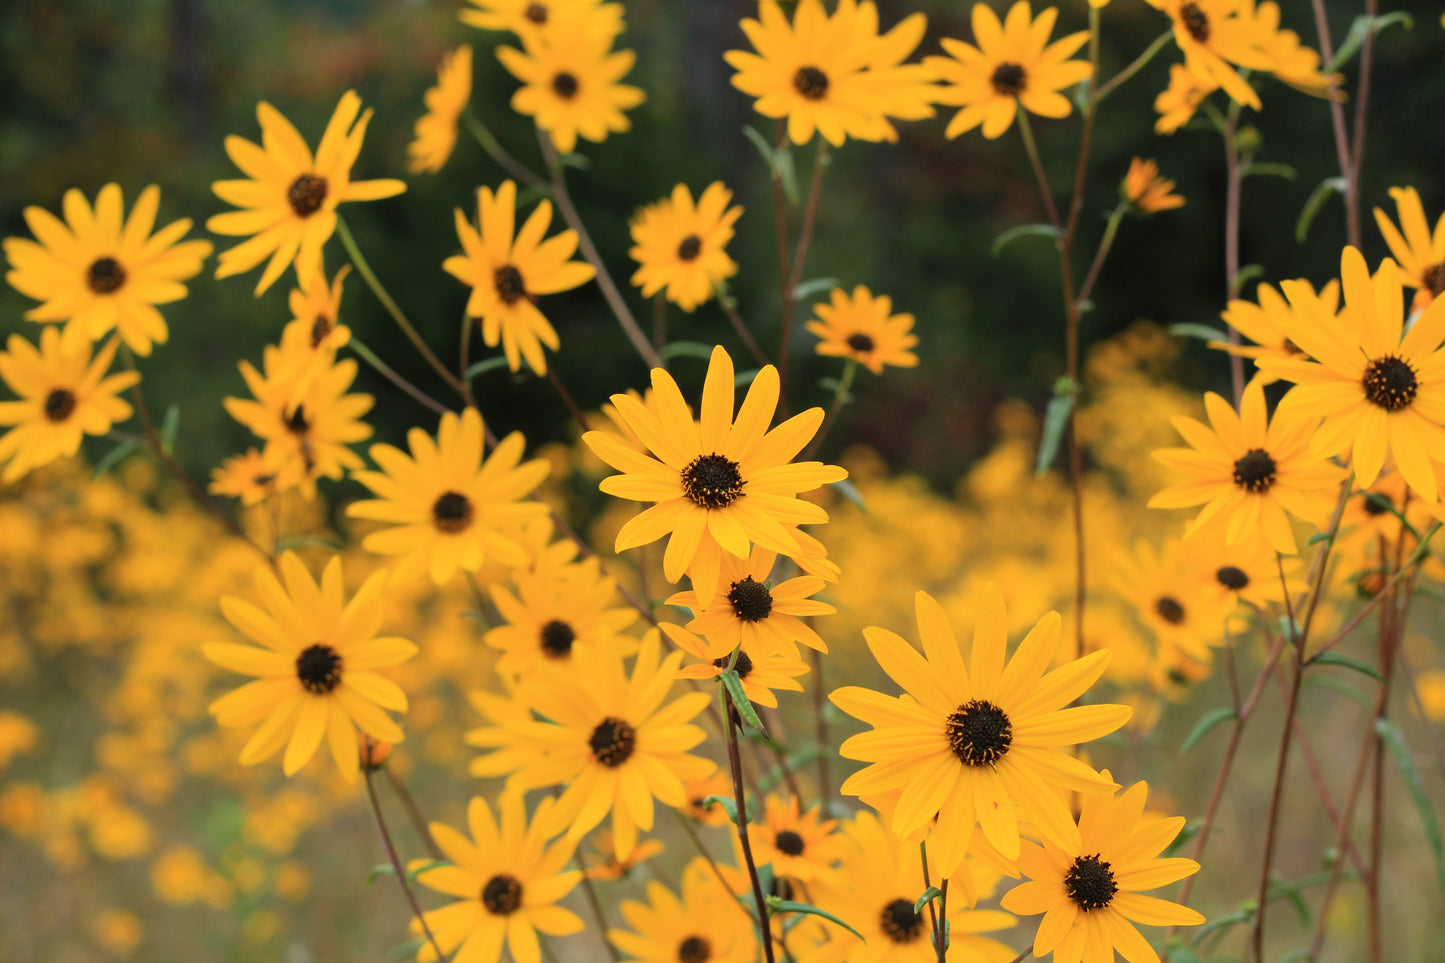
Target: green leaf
column 744, row 378
column 686, row 349
column 792, row 906
column 1246, row 274
column 482, row 367
column 1263, row 169
column 1343, row 688
column 1318, row 537
column 1280, row 889
column 809, row 288
column 416, row 871
column 1190, row 830
column 308, row 541
column 1328, row 186
column 1023, row 230
column 1392, row 738
column 574, row 159
column 789, row 174
column 929, row 895
column 1384, row 504
column 851, row 492
column 112, row 458
column 1201, row 728
column 405, row 950
column 1056, row 419
column 1295, row 955
column 1222, row 924
column 1187, row 329
column 169, row 426
column 380, row 869
column 734, row 684
column 1360, row 29
column 1335, row 658
column 729, row 805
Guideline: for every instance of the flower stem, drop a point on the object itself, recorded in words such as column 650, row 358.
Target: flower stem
column 735, row 764
column 398, row 868
column 800, row 257
column 387, row 372
column 498, row 153
column 1031, row 147
column 1110, row 229
column 842, row 394
column 596, row 906
column 697, row 844
column 413, row 812
column 1138, row 64
column 740, row 326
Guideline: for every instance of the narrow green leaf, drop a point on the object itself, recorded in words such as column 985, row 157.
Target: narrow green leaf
column 930, row 894
column 1221, row 924
column 1290, row 891
column 1384, row 504
column 792, row 906
column 1190, row 830
column 308, row 541
column 789, row 174
column 1295, row 955
column 574, row 159
column 1246, row 274
column 1360, row 29
column 761, row 143
column 169, row 426
column 1328, row 186
column 1335, row 658
column 729, row 805
column 1264, row 169
column 851, row 492
column 380, row 869
column 734, row 684
column 1187, row 329
column 1056, row 419
column 482, row 367
column 745, row 378
column 1396, row 742
column 686, row 349
column 1343, row 688
column 416, row 871
column 1318, row 537
column 405, row 950
column 112, row 458
column 1202, row 728
column 1023, row 230
column 809, row 288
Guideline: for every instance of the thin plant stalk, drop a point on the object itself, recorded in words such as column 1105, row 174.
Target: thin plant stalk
column 1137, row 65
column 702, row 850
column 1337, row 126
column 735, row 765
column 413, row 812
column 842, row 394
column 596, row 906
column 387, row 372
column 800, row 258
column 498, row 153
column 398, row 868
column 740, row 327
column 1233, row 191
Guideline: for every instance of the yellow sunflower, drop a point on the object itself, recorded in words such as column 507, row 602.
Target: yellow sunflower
column 799, row 845
column 533, row 16
column 98, row 270
column 1290, row 61
column 1182, row 611
column 289, row 198
column 612, row 740
column 720, row 783
column 64, row 395
column 436, row 131
column 1419, row 252
column 571, row 81
column 1090, row 893
column 761, row 672
column 312, row 337
column 315, row 666
column 1247, row 570
column 604, row 863
column 1145, row 191
column 507, row 882
column 507, row 271
column 1013, row 66
column 1214, row 38
column 835, row 75
column 553, row 611
column 719, row 485
column 706, row 926
column 250, row 477
column 1177, row 103
column 1379, row 389
column 980, row 743
column 1249, row 471
column 1265, row 323
column 444, row 503
column 680, row 245
column 305, row 439
column 864, row 328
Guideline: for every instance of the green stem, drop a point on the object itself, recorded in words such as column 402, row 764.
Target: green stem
column 697, row 844
column 1105, row 243
column 498, row 153
column 386, row 371
column 1027, row 131
column 841, row 395
column 596, row 906
column 1137, row 65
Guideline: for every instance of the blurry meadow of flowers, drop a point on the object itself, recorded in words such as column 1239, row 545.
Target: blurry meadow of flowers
column 397, row 681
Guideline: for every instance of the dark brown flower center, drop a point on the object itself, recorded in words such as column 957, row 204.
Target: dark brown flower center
column 297, row 423
column 306, row 194
column 511, row 286
column 751, row 600
column 1390, row 383
column 1433, row 279
column 694, row 949
column 1090, row 883
column 319, row 668
column 811, row 82
column 712, row 481
column 451, row 513
column 105, row 275
column 612, row 742
column 1254, row 471
column 536, row 13
column 1169, row 609
column 502, row 895
column 1232, row 578
column 59, row 404
column 789, row 843
column 321, row 326
column 860, row 342
column 1009, row 80
column 899, row 923
column 1195, row 22
column 744, row 664
column 689, row 248
column 565, row 85
column 557, row 639
column 979, row 733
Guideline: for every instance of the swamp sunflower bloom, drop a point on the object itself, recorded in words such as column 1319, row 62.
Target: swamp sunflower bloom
column 719, row 485
column 1013, row 66
column 250, row 477
column 436, row 131
column 100, row 271
column 64, row 396
column 1146, row 191
column 447, row 507
column 761, row 672
column 315, row 664
column 1419, row 251
column 534, row 16
column 800, row 846
column 553, row 611
column 1090, row 893
column 1215, row 38
column 680, row 246
column 1177, row 103
column 289, row 197
column 864, row 328
column 705, row 926
column 977, row 743
column 312, row 337
column 1266, row 322
column 507, row 269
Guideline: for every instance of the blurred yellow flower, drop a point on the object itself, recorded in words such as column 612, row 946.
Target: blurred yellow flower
column 17, row 736
column 116, row 931
column 1419, row 251
column 553, row 611
column 862, row 327
column 311, row 338
column 1177, row 103
column 705, row 926
column 1146, row 191
column 1214, row 38
column 533, row 16
column 1266, row 323
column 679, row 245
column 436, row 131
column 251, row 477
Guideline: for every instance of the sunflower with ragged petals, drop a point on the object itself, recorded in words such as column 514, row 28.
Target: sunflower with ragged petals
column 875, row 889
column 251, row 477
column 1183, row 612
column 705, row 926
column 1013, row 67
column 534, row 16
column 99, row 271
column 507, row 881
column 680, row 245
column 1091, row 893
column 288, row 201
column 613, row 741
column 981, row 743
column 1290, row 60
column 436, row 130
column 307, row 438
column 64, row 396
column 571, row 81
column 761, row 672
column 863, row 328
column 1215, row 39
column 1178, row 102
column 316, row 666
column 507, row 271
column 1249, row 471
column 501, row 752
column 315, row 333
column 1419, row 251
column 1265, row 322
column 833, row 74
column 446, row 504
column 751, row 611
column 1145, row 191
column 718, row 486
column 801, row 846
column 553, row 612
column 1379, row 389
column 1247, row 571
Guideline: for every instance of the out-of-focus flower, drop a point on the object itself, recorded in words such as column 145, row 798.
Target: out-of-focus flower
column 680, row 245
column 1419, row 251
column 436, row 131
column 864, row 328
column 1177, row 103
column 1146, row 191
